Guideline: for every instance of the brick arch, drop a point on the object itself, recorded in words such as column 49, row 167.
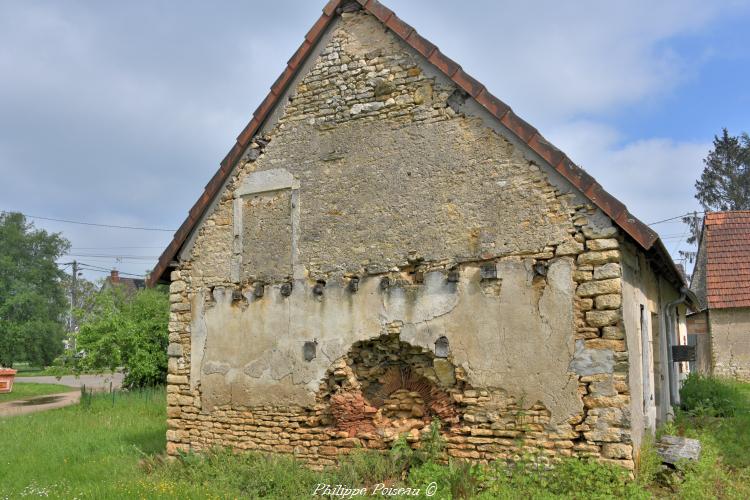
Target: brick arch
column 388, row 386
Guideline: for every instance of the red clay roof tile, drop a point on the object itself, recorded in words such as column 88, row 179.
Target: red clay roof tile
column 726, row 236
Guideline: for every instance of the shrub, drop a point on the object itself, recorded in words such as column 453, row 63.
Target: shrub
column 120, row 330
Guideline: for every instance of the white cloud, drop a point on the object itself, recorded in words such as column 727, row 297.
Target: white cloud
column 553, row 60
column 654, row 177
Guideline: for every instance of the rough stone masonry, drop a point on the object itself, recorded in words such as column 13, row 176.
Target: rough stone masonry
column 383, row 255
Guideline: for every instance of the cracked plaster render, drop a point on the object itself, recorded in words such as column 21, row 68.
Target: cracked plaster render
column 521, row 340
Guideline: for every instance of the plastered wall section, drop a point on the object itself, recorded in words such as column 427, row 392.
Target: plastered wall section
column 730, row 335
column 392, row 179
column 648, row 377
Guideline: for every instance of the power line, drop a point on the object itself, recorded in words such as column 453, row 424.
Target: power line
column 91, row 267
column 95, row 224
column 113, row 256
column 84, row 266
column 112, row 248
column 142, row 276
column 675, row 218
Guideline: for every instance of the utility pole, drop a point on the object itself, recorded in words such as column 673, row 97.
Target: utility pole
column 73, row 294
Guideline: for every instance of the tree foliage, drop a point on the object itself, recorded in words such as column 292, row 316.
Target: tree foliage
column 32, row 298
column 120, row 330
column 85, row 290
column 725, row 181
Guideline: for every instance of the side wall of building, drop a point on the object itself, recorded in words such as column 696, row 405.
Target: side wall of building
column 730, row 339
column 698, row 335
column 384, row 255
column 645, row 295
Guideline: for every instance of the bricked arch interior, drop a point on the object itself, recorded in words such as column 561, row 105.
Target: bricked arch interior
column 386, row 387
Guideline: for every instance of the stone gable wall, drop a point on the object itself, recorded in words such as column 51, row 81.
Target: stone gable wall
column 410, row 220
column 730, row 342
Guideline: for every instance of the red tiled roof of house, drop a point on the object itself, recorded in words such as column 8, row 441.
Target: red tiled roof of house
column 727, row 240
column 643, row 235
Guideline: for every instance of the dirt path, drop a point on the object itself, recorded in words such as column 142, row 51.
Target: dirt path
column 39, row 403
column 96, row 382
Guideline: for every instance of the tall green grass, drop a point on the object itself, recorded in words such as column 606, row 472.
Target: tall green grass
column 717, row 411
column 713, row 397
column 81, row 451
column 114, row 450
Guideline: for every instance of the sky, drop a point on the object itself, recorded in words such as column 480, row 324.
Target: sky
column 118, row 113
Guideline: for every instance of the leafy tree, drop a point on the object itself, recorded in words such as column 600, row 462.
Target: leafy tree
column 725, row 181
column 120, row 330
column 32, row 299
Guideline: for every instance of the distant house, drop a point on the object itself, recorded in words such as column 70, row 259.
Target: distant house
column 721, row 280
column 130, row 285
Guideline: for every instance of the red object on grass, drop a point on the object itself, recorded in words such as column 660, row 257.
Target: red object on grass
column 6, row 379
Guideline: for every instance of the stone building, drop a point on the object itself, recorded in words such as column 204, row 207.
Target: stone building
column 720, row 329
column 388, row 243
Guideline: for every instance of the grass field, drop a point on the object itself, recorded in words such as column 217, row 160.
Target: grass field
column 23, row 390
column 113, row 450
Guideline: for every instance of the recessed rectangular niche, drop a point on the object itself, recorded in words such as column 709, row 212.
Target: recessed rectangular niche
column 266, row 212
column 267, row 235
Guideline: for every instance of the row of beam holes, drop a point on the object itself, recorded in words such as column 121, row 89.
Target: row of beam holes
column 487, row 272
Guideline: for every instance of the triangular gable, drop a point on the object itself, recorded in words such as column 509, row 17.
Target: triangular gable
column 646, row 238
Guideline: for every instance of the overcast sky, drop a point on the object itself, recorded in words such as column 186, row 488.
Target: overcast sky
column 119, row 112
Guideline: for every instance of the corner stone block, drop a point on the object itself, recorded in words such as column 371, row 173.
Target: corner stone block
column 611, row 301
column 174, row 350
column 598, row 318
column 595, row 258
column 614, row 345
column 603, row 244
column 613, row 333
column 592, row 233
column 602, row 287
column 569, row 247
column 607, row 271
column 619, row 401
column 177, row 287
column 177, row 379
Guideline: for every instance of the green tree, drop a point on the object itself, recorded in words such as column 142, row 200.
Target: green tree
column 32, row 298
column 724, row 183
column 129, row 331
